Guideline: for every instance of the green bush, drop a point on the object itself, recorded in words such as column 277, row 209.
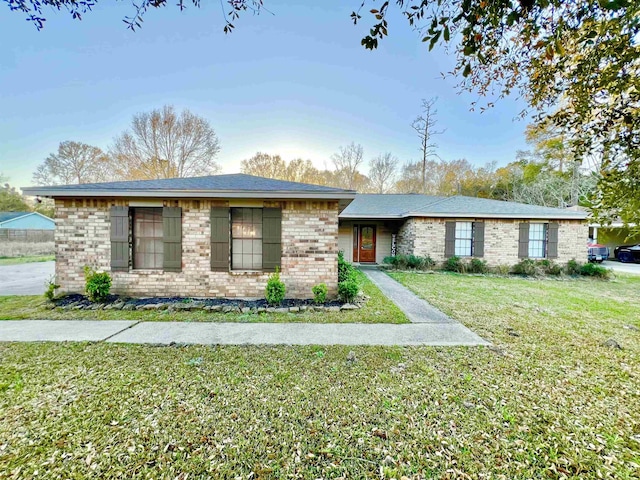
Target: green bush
column 50, row 292
column 348, row 290
column 319, row 293
column 346, row 271
column 97, row 284
column 478, row 266
column 593, row 270
column 501, row 269
column 526, row 266
column 412, row 262
column 275, row 289
column 454, row 264
column 393, row 261
column 573, row 267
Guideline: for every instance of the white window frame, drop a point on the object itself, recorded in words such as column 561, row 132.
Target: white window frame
column 538, row 239
column 463, row 239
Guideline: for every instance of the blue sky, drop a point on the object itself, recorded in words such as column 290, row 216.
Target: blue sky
column 296, row 83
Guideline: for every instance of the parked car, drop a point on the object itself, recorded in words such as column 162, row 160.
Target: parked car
column 597, row 252
column 627, row 253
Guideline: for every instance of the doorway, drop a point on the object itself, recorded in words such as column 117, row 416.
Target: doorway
column 364, row 243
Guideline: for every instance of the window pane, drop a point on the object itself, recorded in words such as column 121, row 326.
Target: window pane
column 463, row 248
column 148, row 238
column 246, row 233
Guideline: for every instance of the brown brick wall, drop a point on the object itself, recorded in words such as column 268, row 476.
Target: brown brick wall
column 309, row 251
column 425, row 236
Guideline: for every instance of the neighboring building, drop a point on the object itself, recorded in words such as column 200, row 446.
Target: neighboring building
column 222, row 235
column 26, row 221
column 375, row 226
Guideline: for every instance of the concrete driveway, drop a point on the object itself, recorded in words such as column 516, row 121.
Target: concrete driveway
column 26, row 278
column 617, row 267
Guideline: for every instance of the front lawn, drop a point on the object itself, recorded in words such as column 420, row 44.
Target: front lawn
column 547, row 401
column 378, row 309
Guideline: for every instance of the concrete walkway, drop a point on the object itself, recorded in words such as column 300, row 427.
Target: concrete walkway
column 415, row 308
column 25, row 278
column 429, row 327
column 205, row 333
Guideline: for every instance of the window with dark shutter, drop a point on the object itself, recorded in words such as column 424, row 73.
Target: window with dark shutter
column 478, row 239
column 552, row 243
column 271, row 238
column 449, row 239
column 172, row 239
column 119, row 217
column 523, row 241
column 220, row 239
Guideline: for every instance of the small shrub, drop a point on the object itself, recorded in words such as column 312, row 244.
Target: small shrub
column 50, row 292
column 319, row 293
column 501, row 269
column 402, row 262
column 275, row 289
column 454, row 264
column 478, row 266
column 428, row 262
column 573, row 267
column 393, row 261
column 348, row 290
column 345, row 269
column 526, row 266
column 414, row 262
column 593, row 270
column 97, row 284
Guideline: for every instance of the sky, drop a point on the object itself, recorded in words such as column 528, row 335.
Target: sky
column 293, row 81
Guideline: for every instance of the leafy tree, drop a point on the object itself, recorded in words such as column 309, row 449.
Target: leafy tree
column 382, row 170
column 265, row 165
column 74, row 162
column 11, row 200
column 163, row 144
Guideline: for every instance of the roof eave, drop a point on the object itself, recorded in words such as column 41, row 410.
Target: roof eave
column 286, row 194
column 467, row 215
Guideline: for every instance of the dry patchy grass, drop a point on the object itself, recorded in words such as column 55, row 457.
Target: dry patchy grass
column 551, row 402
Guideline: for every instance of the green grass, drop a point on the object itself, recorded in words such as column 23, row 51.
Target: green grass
column 379, row 309
column 30, row 259
column 549, row 403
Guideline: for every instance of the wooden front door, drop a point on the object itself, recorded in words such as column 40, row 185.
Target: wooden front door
column 364, row 245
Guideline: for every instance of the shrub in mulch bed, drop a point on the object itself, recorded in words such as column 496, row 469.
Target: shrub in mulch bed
column 116, row 302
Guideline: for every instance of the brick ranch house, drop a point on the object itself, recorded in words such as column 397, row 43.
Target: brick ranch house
column 221, row 236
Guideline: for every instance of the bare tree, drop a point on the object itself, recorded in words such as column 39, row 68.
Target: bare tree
column 346, row 162
column 424, row 125
column 75, row 162
column 382, row 171
column 162, row 144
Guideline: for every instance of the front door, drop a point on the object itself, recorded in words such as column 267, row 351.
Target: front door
column 365, row 244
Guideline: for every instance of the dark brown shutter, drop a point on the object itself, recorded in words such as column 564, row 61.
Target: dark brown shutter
column 478, row 239
column 119, row 239
column 449, row 239
column 220, row 239
column 552, row 243
column 172, row 238
column 271, row 238
column 523, row 241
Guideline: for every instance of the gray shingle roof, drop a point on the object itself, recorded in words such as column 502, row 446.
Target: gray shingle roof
column 5, row 216
column 231, row 183
column 414, row 205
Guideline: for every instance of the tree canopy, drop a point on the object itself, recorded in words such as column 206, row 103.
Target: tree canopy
column 576, row 62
